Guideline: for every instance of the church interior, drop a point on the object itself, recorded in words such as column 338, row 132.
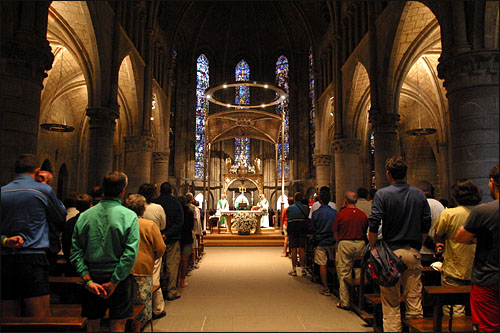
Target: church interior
column 123, row 83
column 251, row 98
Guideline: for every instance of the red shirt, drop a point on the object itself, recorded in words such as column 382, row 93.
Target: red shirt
column 284, row 217
column 350, row 223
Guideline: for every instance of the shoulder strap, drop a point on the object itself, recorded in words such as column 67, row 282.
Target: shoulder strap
column 305, row 216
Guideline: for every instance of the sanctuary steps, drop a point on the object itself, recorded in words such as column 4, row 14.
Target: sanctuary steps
column 269, row 237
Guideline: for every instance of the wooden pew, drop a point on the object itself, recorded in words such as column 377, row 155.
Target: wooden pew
column 443, row 295
column 357, row 287
column 46, row 324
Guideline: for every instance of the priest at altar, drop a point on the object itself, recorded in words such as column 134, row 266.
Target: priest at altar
column 264, row 206
column 222, row 206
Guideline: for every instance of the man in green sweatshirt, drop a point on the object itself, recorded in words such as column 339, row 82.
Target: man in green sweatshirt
column 104, row 250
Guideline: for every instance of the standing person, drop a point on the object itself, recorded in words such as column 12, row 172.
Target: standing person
column 349, row 229
column 96, row 194
column 186, row 242
column 26, row 207
column 458, row 258
column 155, row 213
column 175, row 219
column 362, row 203
column 105, row 246
column 407, row 218
column 83, row 202
column 317, row 204
column 222, row 206
column 297, row 230
column 428, row 248
column 321, row 227
column 151, row 248
column 284, row 218
column 264, row 206
column 482, row 226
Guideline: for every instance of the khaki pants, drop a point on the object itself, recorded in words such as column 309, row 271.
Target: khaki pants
column 158, row 302
column 458, row 310
column 347, row 250
column 412, row 292
column 173, row 260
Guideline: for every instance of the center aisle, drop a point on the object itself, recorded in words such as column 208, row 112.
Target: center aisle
column 248, row 289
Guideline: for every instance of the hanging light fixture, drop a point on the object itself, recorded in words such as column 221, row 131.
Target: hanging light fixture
column 420, row 131
column 57, row 127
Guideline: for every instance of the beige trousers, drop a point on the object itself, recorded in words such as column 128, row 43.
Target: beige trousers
column 158, row 301
column 412, row 292
column 173, row 259
column 458, row 310
column 347, row 250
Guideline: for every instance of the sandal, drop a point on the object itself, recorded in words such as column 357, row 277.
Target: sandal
column 343, row 307
column 325, row 292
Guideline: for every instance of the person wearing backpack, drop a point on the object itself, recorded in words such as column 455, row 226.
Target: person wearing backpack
column 407, row 218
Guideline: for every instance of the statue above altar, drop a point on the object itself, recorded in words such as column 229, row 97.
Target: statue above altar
column 242, row 166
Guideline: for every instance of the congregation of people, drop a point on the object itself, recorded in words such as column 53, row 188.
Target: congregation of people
column 118, row 242
column 460, row 240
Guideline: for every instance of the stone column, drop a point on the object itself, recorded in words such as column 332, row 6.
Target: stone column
column 323, row 162
column 25, row 55
column 385, row 137
column 348, row 173
column 138, row 160
column 101, row 136
column 471, row 81
column 160, row 167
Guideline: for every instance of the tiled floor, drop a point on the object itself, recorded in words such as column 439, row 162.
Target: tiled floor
column 248, row 289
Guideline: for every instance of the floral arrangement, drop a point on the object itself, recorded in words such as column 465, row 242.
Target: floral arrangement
column 244, row 222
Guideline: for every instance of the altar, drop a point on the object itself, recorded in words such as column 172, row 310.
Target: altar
column 230, row 213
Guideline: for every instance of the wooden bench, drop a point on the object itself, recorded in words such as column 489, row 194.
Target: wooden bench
column 66, row 289
column 376, row 301
column 46, row 324
column 439, row 296
column 356, row 287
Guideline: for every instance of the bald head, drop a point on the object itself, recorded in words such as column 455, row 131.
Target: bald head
column 45, row 177
column 350, row 198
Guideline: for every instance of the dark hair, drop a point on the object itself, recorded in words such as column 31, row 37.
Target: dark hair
column 26, row 163
column 182, row 199
column 114, row 183
column 290, row 201
column 189, row 197
column 466, row 193
column 397, row 167
column 70, row 200
column 350, row 197
column 362, row 193
column 324, row 197
column 148, row 191
column 83, row 202
column 372, row 193
column 495, row 174
column 444, row 202
column 96, row 191
column 165, row 188
column 324, row 188
column 298, row 196
column 136, row 202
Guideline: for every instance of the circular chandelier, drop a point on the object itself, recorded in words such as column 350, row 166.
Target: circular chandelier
column 421, row 131
column 280, row 97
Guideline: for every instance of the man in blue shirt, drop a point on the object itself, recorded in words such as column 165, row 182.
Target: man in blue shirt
column 26, row 207
column 297, row 230
column 322, row 228
column 407, row 219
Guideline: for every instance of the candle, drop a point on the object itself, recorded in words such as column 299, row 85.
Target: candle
column 252, row 198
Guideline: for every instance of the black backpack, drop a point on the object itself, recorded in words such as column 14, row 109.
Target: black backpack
column 382, row 265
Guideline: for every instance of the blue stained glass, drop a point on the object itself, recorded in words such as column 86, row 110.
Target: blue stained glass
column 312, row 112
column 202, row 83
column 242, row 97
column 282, row 108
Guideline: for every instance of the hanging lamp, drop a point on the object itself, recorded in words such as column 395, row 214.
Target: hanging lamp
column 420, row 131
column 57, row 127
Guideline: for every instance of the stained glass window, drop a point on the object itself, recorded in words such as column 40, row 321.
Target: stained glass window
column 241, row 97
column 282, row 81
column 202, row 83
column 171, row 132
column 312, row 114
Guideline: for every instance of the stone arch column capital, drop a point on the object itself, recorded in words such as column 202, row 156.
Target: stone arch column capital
column 469, row 69
column 102, row 117
column 138, row 143
column 347, row 145
column 383, row 121
column 323, row 159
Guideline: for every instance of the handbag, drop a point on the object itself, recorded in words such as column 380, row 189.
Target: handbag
column 382, row 265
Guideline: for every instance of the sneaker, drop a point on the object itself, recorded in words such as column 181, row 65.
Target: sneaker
column 304, row 272
column 293, row 272
column 325, row 292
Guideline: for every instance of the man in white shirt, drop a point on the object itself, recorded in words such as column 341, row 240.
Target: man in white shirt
column 436, row 209
column 317, row 204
